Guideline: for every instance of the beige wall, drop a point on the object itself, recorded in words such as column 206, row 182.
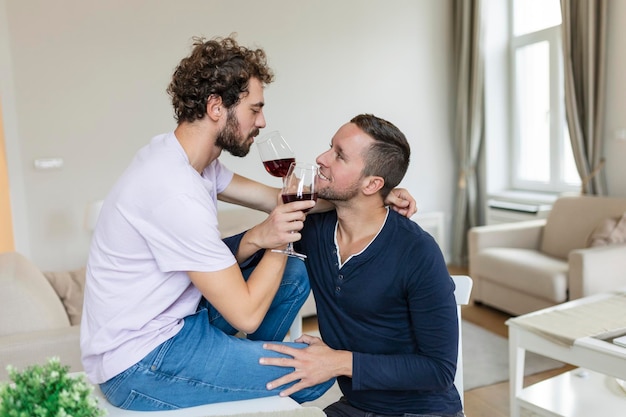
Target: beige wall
column 6, row 224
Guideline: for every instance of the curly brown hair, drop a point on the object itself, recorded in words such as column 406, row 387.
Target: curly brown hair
column 215, row 67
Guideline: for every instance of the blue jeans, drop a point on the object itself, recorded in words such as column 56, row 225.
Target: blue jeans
column 206, row 363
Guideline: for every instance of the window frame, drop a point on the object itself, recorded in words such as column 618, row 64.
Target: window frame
column 558, row 124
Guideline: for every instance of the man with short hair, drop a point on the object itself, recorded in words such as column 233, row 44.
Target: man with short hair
column 385, row 301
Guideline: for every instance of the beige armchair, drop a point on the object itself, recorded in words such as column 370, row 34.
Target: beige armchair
column 579, row 250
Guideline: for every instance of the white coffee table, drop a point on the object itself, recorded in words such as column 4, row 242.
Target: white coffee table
column 581, row 392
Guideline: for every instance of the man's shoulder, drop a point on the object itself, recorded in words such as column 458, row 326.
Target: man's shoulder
column 409, row 230
column 404, row 222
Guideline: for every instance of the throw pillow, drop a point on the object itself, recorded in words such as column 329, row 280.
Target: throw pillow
column 70, row 287
column 609, row 231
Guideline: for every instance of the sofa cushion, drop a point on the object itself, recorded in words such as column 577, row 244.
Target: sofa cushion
column 608, row 232
column 70, row 288
column 524, row 270
column 26, row 349
column 572, row 219
column 28, row 301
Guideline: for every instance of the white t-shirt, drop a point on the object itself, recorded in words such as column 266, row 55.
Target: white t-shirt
column 159, row 221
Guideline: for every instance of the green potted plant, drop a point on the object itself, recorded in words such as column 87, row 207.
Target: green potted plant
column 47, row 391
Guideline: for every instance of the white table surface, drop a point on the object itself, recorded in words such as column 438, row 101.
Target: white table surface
column 601, row 357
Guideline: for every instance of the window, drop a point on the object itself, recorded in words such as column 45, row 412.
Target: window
column 542, row 158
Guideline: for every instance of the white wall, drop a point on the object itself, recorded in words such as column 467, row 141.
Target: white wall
column 497, row 109
column 85, row 81
column 12, row 148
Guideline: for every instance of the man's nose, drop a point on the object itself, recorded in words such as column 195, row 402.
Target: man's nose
column 261, row 120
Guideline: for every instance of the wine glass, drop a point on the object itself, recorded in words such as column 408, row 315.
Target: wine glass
column 275, row 153
column 298, row 184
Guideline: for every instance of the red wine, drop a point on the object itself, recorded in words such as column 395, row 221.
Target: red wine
column 278, row 167
column 288, row 198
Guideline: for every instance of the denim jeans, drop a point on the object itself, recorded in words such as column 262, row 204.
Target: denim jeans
column 206, row 363
column 343, row 409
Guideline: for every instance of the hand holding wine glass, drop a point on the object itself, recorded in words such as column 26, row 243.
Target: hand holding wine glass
column 299, row 184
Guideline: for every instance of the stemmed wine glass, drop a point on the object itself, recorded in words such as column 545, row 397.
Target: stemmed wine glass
column 298, row 184
column 275, row 153
column 298, row 179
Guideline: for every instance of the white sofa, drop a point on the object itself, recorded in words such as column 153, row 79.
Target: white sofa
column 34, row 321
column 577, row 251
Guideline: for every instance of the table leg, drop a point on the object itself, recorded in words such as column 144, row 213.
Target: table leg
column 517, row 357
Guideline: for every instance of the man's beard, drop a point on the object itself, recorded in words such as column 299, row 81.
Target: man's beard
column 334, row 195
column 229, row 138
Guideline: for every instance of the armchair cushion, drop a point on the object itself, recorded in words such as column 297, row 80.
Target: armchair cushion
column 525, row 270
column 571, row 220
column 25, row 349
column 70, row 287
column 29, row 303
column 609, row 231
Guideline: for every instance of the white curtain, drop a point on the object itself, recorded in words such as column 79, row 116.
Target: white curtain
column 469, row 122
column 584, row 52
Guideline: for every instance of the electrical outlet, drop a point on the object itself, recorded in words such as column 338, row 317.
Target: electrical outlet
column 48, row 163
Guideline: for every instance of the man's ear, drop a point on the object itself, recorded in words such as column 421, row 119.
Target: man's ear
column 372, row 184
column 214, row 107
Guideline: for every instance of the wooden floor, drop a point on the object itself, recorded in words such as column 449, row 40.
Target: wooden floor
column 492, row 400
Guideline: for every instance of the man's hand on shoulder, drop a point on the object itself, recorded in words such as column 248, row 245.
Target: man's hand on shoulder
column 400, row 200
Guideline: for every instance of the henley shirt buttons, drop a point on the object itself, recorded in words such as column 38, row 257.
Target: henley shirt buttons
column 337, row 289
column 340, row 277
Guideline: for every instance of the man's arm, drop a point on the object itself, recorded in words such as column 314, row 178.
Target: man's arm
column 281, row 227
column 249, row 193
column 244, row 303
column 255, row 195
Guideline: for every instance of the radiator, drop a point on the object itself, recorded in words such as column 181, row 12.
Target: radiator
column 503, row 211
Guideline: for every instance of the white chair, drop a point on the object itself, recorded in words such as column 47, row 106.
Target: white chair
column 462, row 295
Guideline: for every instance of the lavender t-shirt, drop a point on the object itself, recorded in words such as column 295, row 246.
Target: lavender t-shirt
column 159, row 221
